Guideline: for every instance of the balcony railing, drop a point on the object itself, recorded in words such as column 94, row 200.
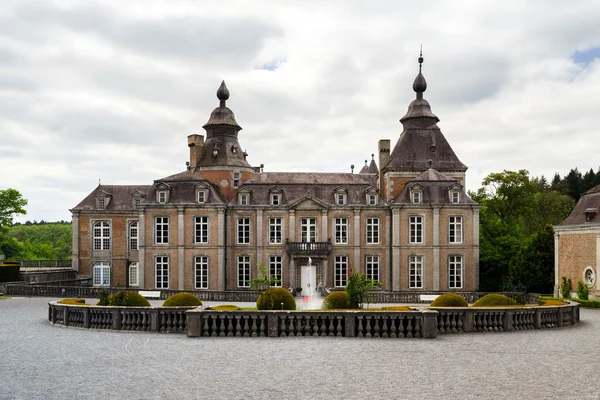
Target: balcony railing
column 309, row 249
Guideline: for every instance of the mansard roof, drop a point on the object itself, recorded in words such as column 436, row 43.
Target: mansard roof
column 121, row 197
column 586, row 209
column 312, row 178
column 435, row 187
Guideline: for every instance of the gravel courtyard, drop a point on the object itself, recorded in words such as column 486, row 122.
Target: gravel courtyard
column 41, row 361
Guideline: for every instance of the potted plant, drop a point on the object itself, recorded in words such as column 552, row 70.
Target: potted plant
column 298, row 291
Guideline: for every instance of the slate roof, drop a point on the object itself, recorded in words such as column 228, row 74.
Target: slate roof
column 120, row 197
column 435, row 187
column 588, row 202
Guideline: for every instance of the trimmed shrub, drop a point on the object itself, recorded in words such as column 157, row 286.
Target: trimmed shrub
column 588, row 303
column 396, row 308
column 583, row 292
column 566, row 287
column 9, row 272
column 272, row 299
column 126, row 298
column 551, row 302
column 493, row 299
column 77, row 301
column 226, row 307
column 450, row 300
column 337, row 301
column 182, row 299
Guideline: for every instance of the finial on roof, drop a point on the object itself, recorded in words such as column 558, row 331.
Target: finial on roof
column 430, row 162
column 352, row 168
column 223, row 94
column 372, row 156
column 420, row 85
column 366, row 161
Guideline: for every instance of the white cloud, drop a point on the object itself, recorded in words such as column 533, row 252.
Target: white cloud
column 111, row 89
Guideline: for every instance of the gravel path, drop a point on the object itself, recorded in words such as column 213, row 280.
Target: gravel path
column 41, row 361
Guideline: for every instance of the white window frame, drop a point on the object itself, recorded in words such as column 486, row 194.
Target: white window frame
column 275, row 230
column 275, row 199
column 162, row 196
column 101, row 236
column 202, row 196
column 134, row 231
column 201, row 229
column 341, row 226
column 456, row 268
column 455, row 229
column 101, row 203
column 201, row 271
column 236, row 180
column 101, row 274
column 371, row 199
column 161, row 265
column 416, row 196
column 276, row 270
column 308, row 229
column 134, row 274
column 415, row 229
column 340, row 198
column 340, row 270
column 244, row 230
column 372, row 267
column 454, row 196
column 244, row 273
column 416, row 271
column 244, row 199
column 372, row 230
column 589, row 276
column 162, row 230
column 136, row 201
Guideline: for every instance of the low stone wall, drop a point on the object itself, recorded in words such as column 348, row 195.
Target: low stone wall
column 47, row 276
column 153, row 319
column 384, row 324
column 419, row 297
column 498, row 319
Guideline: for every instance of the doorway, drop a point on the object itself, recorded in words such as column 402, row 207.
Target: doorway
column 308, row 280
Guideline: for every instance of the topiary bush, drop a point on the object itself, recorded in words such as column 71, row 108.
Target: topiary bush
column 126, row 298
column 272, row 299
column 182, row 299
column 77, row 301
column 226, row 307
column 583, row 292
column 450, row 300
column 338, row 301
column 493, row 299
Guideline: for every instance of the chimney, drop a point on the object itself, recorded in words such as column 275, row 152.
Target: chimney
column 384, row 159
column 195, row 143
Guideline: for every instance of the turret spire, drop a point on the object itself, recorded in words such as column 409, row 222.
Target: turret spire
column 222, row 94
column 420, row 85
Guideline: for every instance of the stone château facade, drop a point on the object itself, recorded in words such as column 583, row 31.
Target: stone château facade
column 577, row 245
column 408, row 223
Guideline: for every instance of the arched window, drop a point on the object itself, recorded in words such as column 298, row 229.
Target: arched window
column 133, row 235
column 133, row 274
column 101, row 274
column 101, row 235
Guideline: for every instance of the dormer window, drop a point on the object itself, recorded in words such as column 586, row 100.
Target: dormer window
column 416, row 197
column 454, row 196
column 340, row 196
column 275, row 199
column 162, row 196
column 136, row 201
column 236, row 180
column 202, row 195
column 100, row 203
column 215, row 153
column 244, row 199
column 590, row 213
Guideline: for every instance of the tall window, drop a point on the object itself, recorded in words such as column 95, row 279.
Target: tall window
column 372, row 199
column 243, row 230
column 372, row 267
column 201, row 229
column 101, row 274
column 372, row 230
column 133, row 235
column 134, row 274
column 415, row 272
column 101, row 235
column 244, row 199
column 308, row 229
column 201, row 272
column 340, row 271
column 275, row 229
column 162, row 272
column 340, row 199
column 236, row 179
column 275, row 275
column 161, row 230
column 243, row 271
column 455, row 271
column 100, row 202
column 455, row 229
column 341, row 230
column 416, row 229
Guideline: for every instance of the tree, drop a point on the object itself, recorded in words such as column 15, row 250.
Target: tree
column 357, row 287
column 534, row 266
column 11, row 203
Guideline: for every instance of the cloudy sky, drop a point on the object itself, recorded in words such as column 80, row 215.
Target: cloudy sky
column 110, row 90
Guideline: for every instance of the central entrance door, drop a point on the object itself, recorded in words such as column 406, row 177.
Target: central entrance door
column 308, row 280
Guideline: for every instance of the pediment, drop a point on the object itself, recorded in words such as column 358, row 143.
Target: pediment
column 102, row 193
column 308, row 203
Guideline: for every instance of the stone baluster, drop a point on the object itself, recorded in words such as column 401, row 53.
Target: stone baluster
column 384, row 326
column 409, row 332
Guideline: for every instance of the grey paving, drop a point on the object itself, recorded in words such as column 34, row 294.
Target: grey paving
column 40, row 361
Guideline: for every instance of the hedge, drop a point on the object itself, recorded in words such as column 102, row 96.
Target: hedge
column 77, row 301
column 182, row 299
column 337, row 301
column 494, row 299
column 587, row 303
column 9, row 272
column 226, row 307
column 126, row 298
column 276, row 299
column 450, row 300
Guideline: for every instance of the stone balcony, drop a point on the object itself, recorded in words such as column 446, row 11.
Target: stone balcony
column 308, row 249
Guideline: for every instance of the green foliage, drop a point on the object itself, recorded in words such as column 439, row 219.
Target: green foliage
column 9, row 272
column 357, row 287
column 588, row 303
column 494, row 299
column 48, row 241
column 103, row 297
column 11, row 203
column 126, row 298
column 583, row 291
column 264, row 281
column 77, row 301
column 338, row 300
column 450, row 300
column 533, row 266
column 276, row 299
column 226, row 307
column 182, row 299
column 565, row 288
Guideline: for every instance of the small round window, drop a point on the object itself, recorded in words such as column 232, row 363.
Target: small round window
column 589, row 276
